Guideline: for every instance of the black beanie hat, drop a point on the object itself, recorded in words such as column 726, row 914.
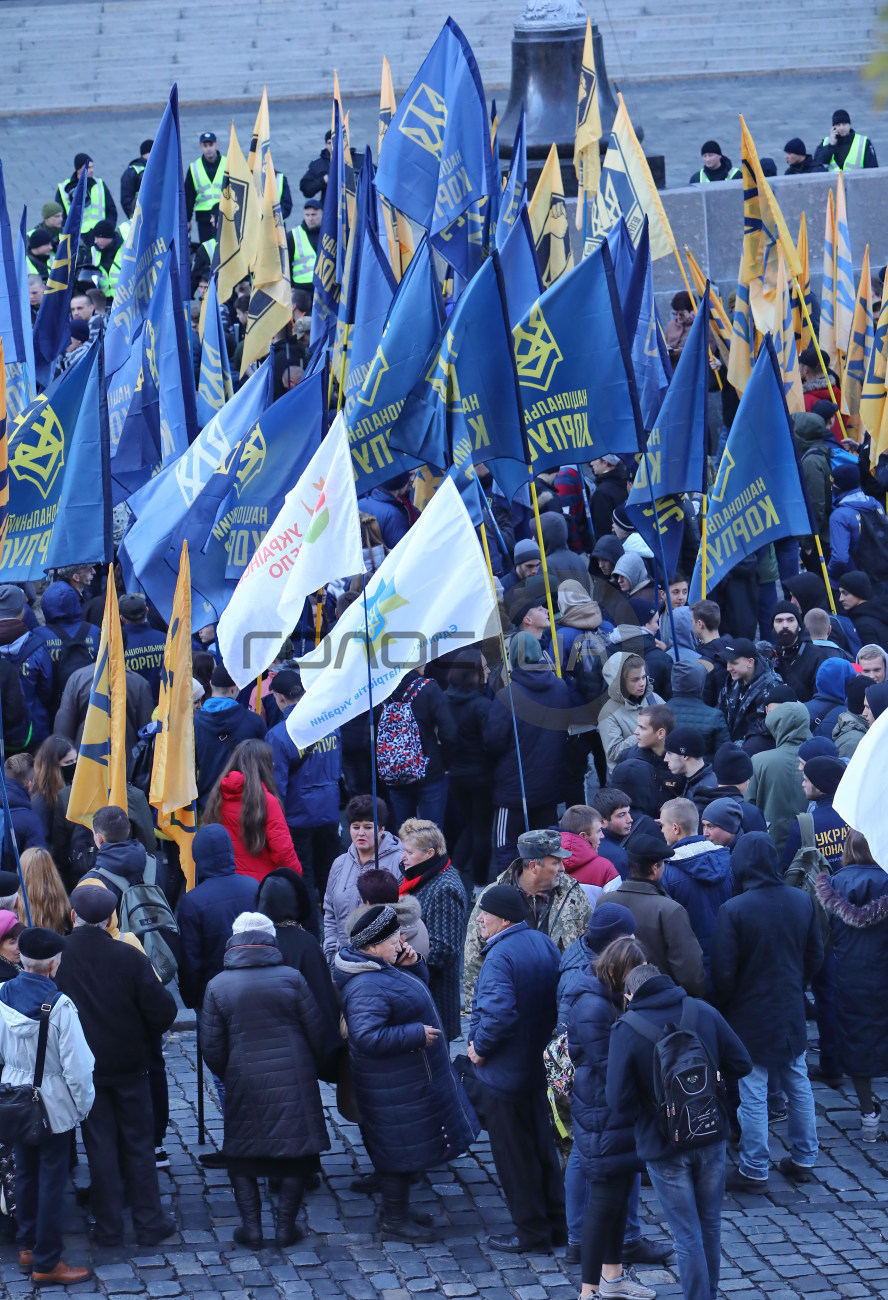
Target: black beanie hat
column 855, row 693
column 856, row 583
column 146, row 146
column 221, row 677
column 503, row 901
column 877, row 698
column 710, row 146
column 795, row 145
column 731, row 765
column 785, row 607
column 841, row 115
column 80, row 160
column 104, row 229
column 377, row 923
column 825, row 774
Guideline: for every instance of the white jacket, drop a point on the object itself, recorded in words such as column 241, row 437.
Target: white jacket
column 67, row 1088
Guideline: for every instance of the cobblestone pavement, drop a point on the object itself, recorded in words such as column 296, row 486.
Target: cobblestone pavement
column 827, row 1239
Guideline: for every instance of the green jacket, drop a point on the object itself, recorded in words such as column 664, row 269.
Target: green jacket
column 848, row 732
column 564, row 921
column 776, row 784
column 811, row 436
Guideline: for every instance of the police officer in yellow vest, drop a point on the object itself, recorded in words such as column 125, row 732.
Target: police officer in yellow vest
column 98, row 205
column 843, row 148
column 717, row 166
column 131, row 179
column 40, row 253
column 303, row 245
column 106, row 255
column 203, row 186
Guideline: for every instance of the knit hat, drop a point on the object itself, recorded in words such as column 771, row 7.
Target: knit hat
column 782, row 693
column 247, row 921
column 609, row 921
column 768, row 165
column 785, row 607
column 795, row 145
column 739, row 647
column 80, row 160
column 808, row 357
column 688, row 742
column 80, row 330
column 39, row 238
column 877, row 698
column 9, row 883
column 846, row 477
column 9, row 919
column 643, row 610
column 622, row 520
column 40, row 944
column 503, row 901
column 825, row 774
column 221, row 678
column 726, row 814
column 855, row 694
column 377, row 923
column 146, row 146
column 731, row 765
column 51, row 209
column 93, row 903
column 525, row 550
column 819, row 747
column 856, row 584
column 524, row 649
column 825, row 409
column 12, row 601
column 104, row 229
column 710, row 146
column 841, row 115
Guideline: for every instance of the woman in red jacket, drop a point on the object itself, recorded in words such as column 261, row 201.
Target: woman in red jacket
column 244, row 800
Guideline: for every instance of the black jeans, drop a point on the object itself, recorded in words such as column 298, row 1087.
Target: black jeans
column 160, row 1092
column 604, row 1225
column 118, row 1134
column 527, row 1163
column 41, row 1174
column 473, row 847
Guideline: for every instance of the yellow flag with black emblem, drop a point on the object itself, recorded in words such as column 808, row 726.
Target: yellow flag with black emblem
column 399, row 233
column 587, row 155
column 271, row 306
column 260, row 142
column 627, row 189
column 100, row 775
column 548, row 221
column 239, row 220
column 173, row 783
column 860, row 346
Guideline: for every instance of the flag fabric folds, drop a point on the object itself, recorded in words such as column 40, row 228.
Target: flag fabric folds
column 398, row 232
column 827, row 333
column 860, row 344
column 587, row 157
column 802, row 329
column 430, row 595
column 548, row 220
column 515, row 190
column 332, row 242
column 4, row 457
column 271, row 307
column 15, row 319
column 100, row 775
column 627, row 188
column 315, row 538
column 861, row 795
column 719, row 320
column 239, row 217
column 173, row 790
column 838, row 297
column 214, row 385
column 52, row 329
column 21, row 273
column 784, row 340
column 872, row 399
column 757, row 497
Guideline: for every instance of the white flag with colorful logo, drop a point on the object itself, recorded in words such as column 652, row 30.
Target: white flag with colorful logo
column 431, row 594
column 316, row 537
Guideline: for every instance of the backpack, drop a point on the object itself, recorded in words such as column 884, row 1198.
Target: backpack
column 75, row 653
column 559, row 1066
column 872, row 553
column 399, row 755
column 142, row 758
column 804, row 869
column 143, row 910
column 687, row 1085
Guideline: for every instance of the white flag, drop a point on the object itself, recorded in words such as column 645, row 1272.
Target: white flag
column 430, row 595
column 863, row 790
column 316, row 537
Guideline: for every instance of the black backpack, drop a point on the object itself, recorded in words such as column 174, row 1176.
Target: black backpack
column 687, row 1085
column 75, row 653
column 872, row 555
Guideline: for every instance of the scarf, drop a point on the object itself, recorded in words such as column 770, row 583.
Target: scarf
column 422, row 873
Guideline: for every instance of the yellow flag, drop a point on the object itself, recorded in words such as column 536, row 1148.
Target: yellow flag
column 627, row 189
column 827, row 337
column 260, row 143
column 173, row 784
column 763, row 230
column 100, row 777
column 872, row 399
column 859, row 344
column 239, row 217
column 719, row 321
column 800, row 324
column 587, row 158
column 271, row 306
column 784, row 341
column 399, row 233
column 845, row 296
column 548, row 221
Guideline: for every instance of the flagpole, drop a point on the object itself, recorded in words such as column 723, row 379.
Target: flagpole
column 647, row 474
column 694, row 305
column 704, row 540
column 7, row 816
column 259, row 693
column 832, row 395
column 372, row 723
column 502, row 641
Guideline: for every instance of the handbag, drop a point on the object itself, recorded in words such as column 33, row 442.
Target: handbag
column 23, row 1116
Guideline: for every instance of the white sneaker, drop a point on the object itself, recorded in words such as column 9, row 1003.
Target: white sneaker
column 627, row 1287
column 869, row 1125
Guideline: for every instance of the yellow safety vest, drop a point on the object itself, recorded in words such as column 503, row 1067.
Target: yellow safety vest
column 304, row 257
column 108, row 277
column 855, row 153
column 280, row 187
column 732, row 175
column 93, row 206
column 207, row 192
column 210, row 246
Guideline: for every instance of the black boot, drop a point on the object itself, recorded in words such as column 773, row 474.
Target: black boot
column 396, row 1223
column 246, row 1194
column 286, row 1230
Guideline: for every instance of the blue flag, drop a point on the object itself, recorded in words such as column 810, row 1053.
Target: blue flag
column 158, row 224
column 675, row 455
column 52, row 329
column 622, row 249
column 330, row 264
column 21, row 275
column 214, row 386
column 58, row 477
column 650, row 359
column 467, row 390
column 435, row 160
column 410, row 333
column 521, row 270
column 12, row 321
column 183, row 499
column 758, row 496
column 515, row 192
column 575, row 370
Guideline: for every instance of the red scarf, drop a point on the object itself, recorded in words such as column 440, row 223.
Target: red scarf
column 426, row 871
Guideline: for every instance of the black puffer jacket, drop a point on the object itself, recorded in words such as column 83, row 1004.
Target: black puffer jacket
column 262, row 1033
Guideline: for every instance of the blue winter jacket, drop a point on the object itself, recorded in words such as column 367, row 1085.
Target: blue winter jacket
column 542, row 712
column 143, row 653
column 414, row 1112
column 605, row 1138
column 63, row 611
column 829, row 699
column 856, row 901
column 844, row 532
column 29, row 655
column 206, row 912
column 514, row 1009
column 698, row 876
column 307, row 780
column 26, row 824
column 830, row 833
column 390, row 513
column 576, row 961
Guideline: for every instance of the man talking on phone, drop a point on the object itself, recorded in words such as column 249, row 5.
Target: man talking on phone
column 843, row 149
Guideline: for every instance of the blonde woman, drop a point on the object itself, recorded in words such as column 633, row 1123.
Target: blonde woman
column 47, row 898
column 430, row 878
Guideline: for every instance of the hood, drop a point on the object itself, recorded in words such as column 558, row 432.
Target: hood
column 390, row 854
column 252, row 948
column 636, row 640
column 348, row 963
column 831, row 677
column 282, row 896
column 584, row 981
column 859, row 910
column 26, row 994
column 846, row 722
column 581, row 852
column 61, row 604
column 871, row 647
column 708, row 863
column 127, row 859
column 755, row 863
column 213, row 853
column 409, row 910
column 789, row 724
column 633, row 568
column 553, row 526
column 684, row 632
column 17, row 794
column 613, row 671
column 688, row 676
column 808, row 428
column 858, row 499
column 658, row 994
column 215, row 714
column 808, row 590
column 233, row 786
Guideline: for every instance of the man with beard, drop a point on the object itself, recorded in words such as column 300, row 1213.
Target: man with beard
column 797, row 657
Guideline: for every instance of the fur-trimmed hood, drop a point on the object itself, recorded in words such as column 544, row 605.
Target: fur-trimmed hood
column 858, row 916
